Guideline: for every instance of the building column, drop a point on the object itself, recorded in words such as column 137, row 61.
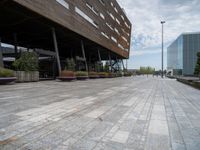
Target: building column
column 15, row 44
column 54, row 67
column 99, row 55
column 56, row 50
column 127, row 64
column 83, row 52
column 123, row 64
column 118, row 64
column 1, row 55
column 110, row 61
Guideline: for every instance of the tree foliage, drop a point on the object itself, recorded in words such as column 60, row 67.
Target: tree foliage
column 98, row 66
column 106, row 67
column 70, row 64
column 147, row 70
column 28, row 61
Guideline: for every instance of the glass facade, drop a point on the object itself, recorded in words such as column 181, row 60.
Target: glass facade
column 181, row 54
column 175, row 56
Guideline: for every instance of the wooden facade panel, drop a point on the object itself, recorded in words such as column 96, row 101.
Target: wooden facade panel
column 71, row 20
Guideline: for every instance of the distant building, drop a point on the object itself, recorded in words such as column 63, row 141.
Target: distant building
column 181, row 54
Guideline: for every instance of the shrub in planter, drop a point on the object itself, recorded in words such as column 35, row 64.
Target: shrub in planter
column 93, row 75
column 67, row 75
column 103, row 74
column 106, row 67
column 111, row 75
column 27, row 67
column 6, row 76
column 118, row 74
column 127, row 74
column 70, row 64
column 81, row 75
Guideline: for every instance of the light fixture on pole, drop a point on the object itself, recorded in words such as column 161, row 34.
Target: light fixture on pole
column 162, row 22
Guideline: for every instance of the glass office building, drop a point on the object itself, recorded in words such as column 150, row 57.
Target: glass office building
column 181, row 54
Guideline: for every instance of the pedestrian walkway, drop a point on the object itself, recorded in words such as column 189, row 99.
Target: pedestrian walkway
column 133, row 113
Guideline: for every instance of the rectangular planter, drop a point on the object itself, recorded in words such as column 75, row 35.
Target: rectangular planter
column 192, row 83
column 23, row 76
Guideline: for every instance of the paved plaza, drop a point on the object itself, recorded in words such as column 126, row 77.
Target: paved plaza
column 132, row 113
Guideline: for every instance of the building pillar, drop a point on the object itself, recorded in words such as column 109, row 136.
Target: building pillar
column 123, row 64
column 15, row 44
column 118, row 64
column 54, row 67
column 99, row 55
column 126, row 64
column 1, row 55
column 110, row 61
column 83, row 52
column 56, row 50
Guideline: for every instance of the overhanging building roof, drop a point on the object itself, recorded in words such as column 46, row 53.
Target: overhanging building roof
column 100, row 24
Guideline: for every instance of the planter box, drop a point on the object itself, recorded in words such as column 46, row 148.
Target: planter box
column 66, row 78
column 23, row 76
column 93, row 76
column 82, row 77
column 193, row 83
column 7, row 80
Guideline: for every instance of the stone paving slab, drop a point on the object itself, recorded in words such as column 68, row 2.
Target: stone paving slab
column 133, row 113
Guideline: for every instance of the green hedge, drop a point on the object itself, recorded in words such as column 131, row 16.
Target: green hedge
column 81, row 73
column 6, row 72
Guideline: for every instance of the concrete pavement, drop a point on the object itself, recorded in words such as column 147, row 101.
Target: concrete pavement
column 132, row 113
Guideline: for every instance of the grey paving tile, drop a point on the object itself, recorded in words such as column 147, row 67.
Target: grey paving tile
column 134, row 113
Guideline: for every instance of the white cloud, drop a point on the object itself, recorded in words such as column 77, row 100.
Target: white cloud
column 143, row 52
column 145, row 15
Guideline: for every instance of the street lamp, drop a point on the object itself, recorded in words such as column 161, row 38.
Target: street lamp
column 162, row 22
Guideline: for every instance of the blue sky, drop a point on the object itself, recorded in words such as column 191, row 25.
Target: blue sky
column 180, row 15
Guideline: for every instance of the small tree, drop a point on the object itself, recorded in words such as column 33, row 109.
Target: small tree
column 147, row 70
column 70, row 64
column 106, row 67
column 98, row 66
column 197, row 68
column 28, row 61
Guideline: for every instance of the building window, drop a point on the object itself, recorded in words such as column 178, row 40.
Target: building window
column 118, row 21
column 116, row 10
column 102, row 2
column 114, row 39
column 117, row 31
column 63, row 3
column 120, row 46
column 126, row 49
column 122, row 17
column 127, row 25
column 102, row 16
column 92, row 8
column 105, row 35
column 109, row 26
column 86, row 17
column 124, row 39
column 111, row 15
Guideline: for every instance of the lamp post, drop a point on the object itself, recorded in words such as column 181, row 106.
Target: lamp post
column 162, row 22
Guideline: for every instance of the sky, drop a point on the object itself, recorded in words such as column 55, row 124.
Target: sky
column 145, row 15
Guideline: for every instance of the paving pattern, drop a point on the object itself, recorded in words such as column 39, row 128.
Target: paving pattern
column 133, row 113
